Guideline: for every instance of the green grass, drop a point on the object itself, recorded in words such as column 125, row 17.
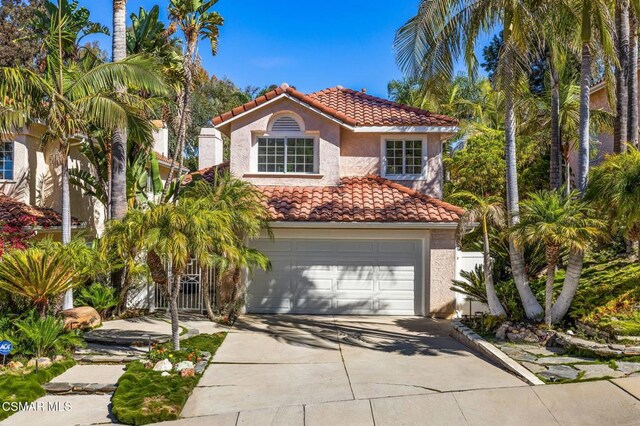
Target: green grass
column 143, row 396
column 27, row 388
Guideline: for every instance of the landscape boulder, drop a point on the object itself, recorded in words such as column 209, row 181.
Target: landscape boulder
column 163, row 365
column 83, row 317
column 183, row 365
column 43, row 362
column 15, row 365
column 188, row 372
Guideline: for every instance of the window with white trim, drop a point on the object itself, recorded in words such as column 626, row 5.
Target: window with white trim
column 403, row 157
column 6, row 160
column 286, row 155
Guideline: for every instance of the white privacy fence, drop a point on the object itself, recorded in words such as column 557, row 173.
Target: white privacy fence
column 467, row 261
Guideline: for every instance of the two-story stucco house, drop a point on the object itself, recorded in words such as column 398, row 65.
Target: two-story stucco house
column 353, row 184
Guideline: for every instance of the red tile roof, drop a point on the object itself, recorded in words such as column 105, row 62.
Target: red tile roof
column 14, row 212
column 351, row 107
column 207, row 173
column 357, row 199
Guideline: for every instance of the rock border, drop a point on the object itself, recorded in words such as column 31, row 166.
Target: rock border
column 473, row 340
column 607, row 350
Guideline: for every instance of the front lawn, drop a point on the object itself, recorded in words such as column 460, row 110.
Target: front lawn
column 15, row 387
column 145, row 396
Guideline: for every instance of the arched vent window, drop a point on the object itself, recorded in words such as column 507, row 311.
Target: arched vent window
column 285, row 124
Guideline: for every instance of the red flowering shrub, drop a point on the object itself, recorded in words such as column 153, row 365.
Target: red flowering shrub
column 16, row 235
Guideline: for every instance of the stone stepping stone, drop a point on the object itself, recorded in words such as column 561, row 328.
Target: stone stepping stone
column 628, row 367
column 541, row 351
column 597, row 371
column 561, row 372
column 534, row 368
column 517, row 354
column 556, row 360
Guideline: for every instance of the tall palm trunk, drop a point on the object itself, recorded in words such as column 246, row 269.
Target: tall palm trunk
column 555, row 167
column 585, row 82
column 632, row 76
column 495, row 307
column 531, row 306
column 552, row 255
column 620, row 137
column 118, row 207
column 173, row 311
column 569, row 287
column 184, row 110
column 66, row 216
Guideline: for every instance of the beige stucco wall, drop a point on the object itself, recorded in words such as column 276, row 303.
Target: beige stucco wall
column 243, row 162
column 441, row 271
column 361, row 154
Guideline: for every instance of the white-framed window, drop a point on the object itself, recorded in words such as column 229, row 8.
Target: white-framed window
column 286, row 154
column 403, row 157
column 6, row 160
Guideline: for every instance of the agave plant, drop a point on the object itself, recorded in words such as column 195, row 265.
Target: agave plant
column 38, row 275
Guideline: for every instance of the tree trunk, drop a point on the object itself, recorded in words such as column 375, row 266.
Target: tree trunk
column 206, row 291
column 531, row 306
column 585, row 83
column 555, row 174
column 66, row 214
column 621, row 125
column 569, row 287
column 173, row 311
column 495, row 307
column 552, row 254
column 632, row 76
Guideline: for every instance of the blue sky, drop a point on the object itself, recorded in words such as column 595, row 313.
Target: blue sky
column 311, row 45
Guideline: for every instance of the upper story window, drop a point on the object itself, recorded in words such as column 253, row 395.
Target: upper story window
column 6, row 160
column 403, row 157
column 286, row 155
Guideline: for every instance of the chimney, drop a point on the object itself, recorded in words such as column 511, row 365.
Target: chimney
column 209, row 148
column 160, row 138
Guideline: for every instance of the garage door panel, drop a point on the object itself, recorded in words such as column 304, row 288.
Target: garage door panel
column 367, row 285
column 274, row 246
column 339, row 276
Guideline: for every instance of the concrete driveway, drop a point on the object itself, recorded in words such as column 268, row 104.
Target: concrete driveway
column 282, row 363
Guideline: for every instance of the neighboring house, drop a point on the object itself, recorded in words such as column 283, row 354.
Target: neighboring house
column 599, row 100
column 30, row 180
column 353, row 184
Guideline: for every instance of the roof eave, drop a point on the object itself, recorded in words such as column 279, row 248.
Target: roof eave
column 363, row 225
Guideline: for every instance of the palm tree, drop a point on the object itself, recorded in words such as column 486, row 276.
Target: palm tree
column 561, row 223
column 632, row 75
column 39, row 275
column 443, row 30
column 488, row 211
column 196, row 20
column 615, row 190
column 620, row 137
column 71, row 98
column 118, row 190
column 243, row 202
column 594, row 16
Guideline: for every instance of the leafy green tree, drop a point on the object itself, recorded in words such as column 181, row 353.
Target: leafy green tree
column 560, row 223
column 488, row 212
column 16, row 47
column 614, row 187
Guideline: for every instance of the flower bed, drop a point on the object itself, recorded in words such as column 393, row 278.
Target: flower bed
column 156, row 389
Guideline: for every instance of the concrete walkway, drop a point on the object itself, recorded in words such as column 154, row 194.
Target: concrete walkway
column 288, row 370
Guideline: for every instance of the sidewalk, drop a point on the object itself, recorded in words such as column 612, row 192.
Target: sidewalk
column 612, row 402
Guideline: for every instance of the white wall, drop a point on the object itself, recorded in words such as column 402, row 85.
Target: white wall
column 467, row 261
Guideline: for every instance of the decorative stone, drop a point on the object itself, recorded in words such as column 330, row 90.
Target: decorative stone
column 556, row 360
column 201, row 366
column 187, row 372
column 632, row 350
column 58, row 358
column 165, row 374
column 561, row 372
column 15, row 365
column 183, row 365
column 43, row 362
column 628, row 367
column 54, row 387
column 163, row 365
column 501, row 332
column 534, row 368
column 606, row 352
column 597, row 371
column 82, row 317
column 541, row 351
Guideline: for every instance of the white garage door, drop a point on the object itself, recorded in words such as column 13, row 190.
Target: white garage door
column 315, row 276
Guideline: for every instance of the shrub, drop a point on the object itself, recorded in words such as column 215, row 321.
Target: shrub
column 43, row 336
column 98, row 296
